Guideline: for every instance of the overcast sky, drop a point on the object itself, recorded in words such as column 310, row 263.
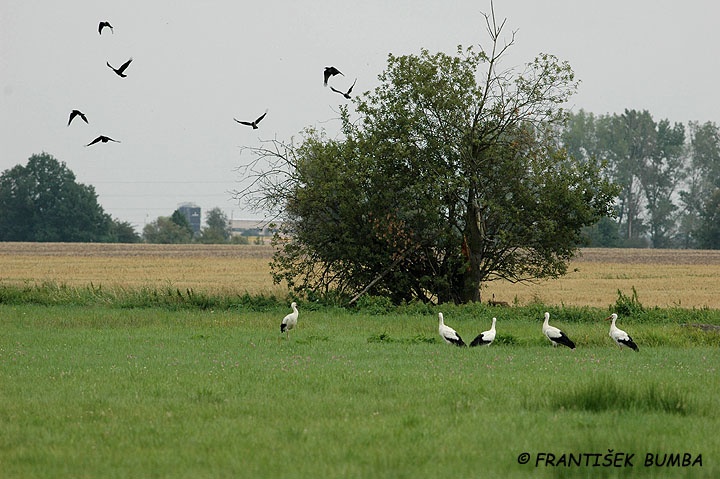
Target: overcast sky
column 196, row 65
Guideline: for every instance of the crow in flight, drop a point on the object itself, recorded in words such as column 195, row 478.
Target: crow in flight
column 102, row 138
column 103, row 25
column 120, row 71
column 254, row 124
column 75, row 113
column 347, row 93
column 330, row 71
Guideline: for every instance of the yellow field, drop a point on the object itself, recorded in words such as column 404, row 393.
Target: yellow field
column 210, row 268
column 685, row 278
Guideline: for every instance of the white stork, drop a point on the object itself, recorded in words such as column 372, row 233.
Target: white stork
column 555, row 335
column 619, row 336
column 486, row 337
column 289, row 321
column 449, row 334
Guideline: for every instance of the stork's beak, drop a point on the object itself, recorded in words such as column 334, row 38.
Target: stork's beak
column 608, row 318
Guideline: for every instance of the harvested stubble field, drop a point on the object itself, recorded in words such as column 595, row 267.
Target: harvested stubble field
column 664, row 278
column 210, row 268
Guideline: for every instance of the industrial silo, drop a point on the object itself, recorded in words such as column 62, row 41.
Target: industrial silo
column 192, row 213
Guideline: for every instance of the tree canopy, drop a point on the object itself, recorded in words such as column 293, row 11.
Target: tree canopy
column 41, row 201
column 169, row 229
column 452, row 176
column 668, row 176
column 217, row 229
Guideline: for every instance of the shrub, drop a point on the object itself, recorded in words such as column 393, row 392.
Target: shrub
column 628, row 306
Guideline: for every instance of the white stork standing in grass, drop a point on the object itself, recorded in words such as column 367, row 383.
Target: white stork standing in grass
column 449, row 334
column 555, row 335
column 619, row 336
column 486, row 337
column 289, row 321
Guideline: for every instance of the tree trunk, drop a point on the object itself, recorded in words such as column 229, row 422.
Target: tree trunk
column 472, row 247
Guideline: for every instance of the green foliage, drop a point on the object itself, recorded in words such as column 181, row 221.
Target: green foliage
column 170, row 297
column 239, row 240
column 628, row 305
column 708, row 231
column 443, row 183
column 667, row 174
column 217, row 229
column 41, row 201
column 607, row 394
column 182, row 221
column 177, row 229
column 123, row 232
column 700, row 199
column 418, row 339
column 505, row 340
column 375, row 304
column 603, row 234
column 166, row 230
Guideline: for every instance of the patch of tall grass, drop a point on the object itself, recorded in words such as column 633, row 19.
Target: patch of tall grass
column 173, row 298
column 608, row 394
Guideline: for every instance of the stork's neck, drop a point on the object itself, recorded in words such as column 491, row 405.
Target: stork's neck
column 440, row 319
column 493, row 323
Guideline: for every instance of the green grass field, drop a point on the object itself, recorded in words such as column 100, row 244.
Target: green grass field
column 101, row 391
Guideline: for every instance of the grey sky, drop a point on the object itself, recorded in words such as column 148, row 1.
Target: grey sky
column 199, row 64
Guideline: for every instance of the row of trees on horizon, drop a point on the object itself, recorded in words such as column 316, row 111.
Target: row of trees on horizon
column 42, row 202
column 177, row 229
column 668, row 175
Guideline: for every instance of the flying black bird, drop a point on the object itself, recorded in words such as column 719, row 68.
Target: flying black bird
column 102, row 138
column 120, row 71
column 103, row 25
column 330, row 71
column 254, row 124
column 347, row 93
column 75, row 113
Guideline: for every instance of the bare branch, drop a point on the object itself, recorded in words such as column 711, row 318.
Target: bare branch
column 269, row 176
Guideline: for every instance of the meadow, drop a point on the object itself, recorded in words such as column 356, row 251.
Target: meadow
column 145, row 379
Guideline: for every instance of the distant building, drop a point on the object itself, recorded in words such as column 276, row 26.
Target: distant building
column 252, row 228
column 192, row 213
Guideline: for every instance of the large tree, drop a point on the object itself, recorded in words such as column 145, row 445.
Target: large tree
column 217, row 229
column 41, row 201
column 708, row 231
column 651, row 162
column 699, row 198
column 123, row 232
column 168, row 229
column 452, row 176
column 660, row 171
column 165, row 231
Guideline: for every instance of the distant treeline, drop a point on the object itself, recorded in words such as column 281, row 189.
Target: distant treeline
column 669, row 174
